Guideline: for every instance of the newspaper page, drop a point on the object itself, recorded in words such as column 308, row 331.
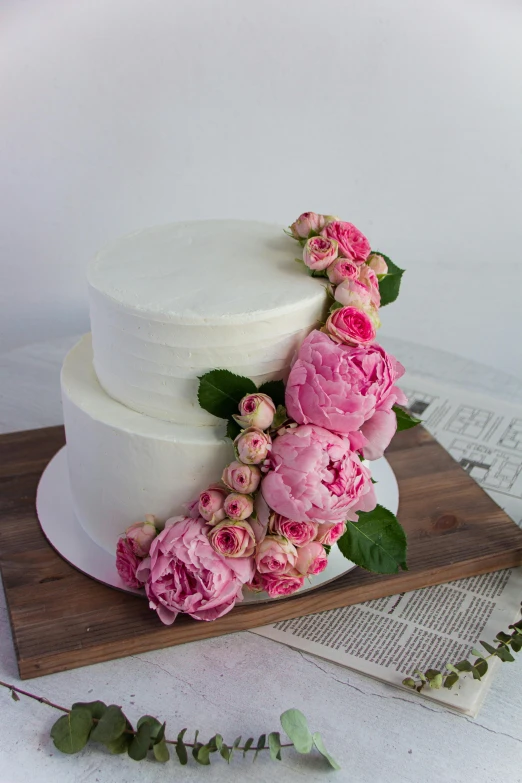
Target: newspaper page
column 389, row 637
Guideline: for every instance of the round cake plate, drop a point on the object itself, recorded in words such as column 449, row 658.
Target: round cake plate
column 63, row 531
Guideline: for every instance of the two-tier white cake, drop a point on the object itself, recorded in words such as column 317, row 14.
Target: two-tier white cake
column 168, row 304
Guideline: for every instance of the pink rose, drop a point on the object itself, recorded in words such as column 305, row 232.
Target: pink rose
column 298, row 533
column 238, row 506
column 127, row 563
column 256, row 410
column 315, row 476
column 277, row 585
column 212, row 504
column 311, row 559
column 252, row 446
column 353, row 293
column 233, row 539
column 339, row 387
column 351, row 326
column 319, row 253
column 183, row 573
column 352, row 243
column 275, row 555
column 342, row 269
column 140, row 536
column 330, row 532
column 369, row 279
column 305, row 223
column 242, row 478
column 378, row 264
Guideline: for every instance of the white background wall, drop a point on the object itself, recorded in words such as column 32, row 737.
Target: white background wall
column 404, row 117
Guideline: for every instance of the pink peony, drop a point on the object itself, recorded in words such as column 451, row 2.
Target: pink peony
column 342, row 269
column 238, row 506
column 378, row 432
column 378, row 264
column 233, row 539
column 369, row 279
column 275, row 555
column 311, row 559
column 330, row 532
column 319, row 253
column 252, row 446
column 351, row 326
column 140, row 536
column 183, row 573
column 242, row 478
column 277, row 585
column 315, row 476
column 298, row 533
column 211, row 504
column 127, row 563
column 256, row 410
column 339, row 387
column 306, row 223
column 352, row 243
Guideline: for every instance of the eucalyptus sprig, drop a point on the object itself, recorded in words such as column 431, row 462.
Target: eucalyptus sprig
column 95, row 721
column 433, row 678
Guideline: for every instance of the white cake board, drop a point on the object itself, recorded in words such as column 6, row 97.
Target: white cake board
column 65, row 534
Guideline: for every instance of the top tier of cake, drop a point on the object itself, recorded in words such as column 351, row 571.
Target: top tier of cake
column 170, row 303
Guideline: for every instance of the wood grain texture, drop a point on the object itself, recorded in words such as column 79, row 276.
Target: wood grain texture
column 61, row 619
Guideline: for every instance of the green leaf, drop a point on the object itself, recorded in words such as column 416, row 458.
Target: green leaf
column 225, row 752
column 218, row 740
column 489, row 647
column 516, row 645
column 434, row 678
column 181, row 748
column 409, row 682
column 202, row 754
column 119, row 745
column 503, row 637
column 480, row 668
column 140, row 743
column 389, row 285
column 96, row 708
column 260, row 745
column 405, row 420
column 464, row 666
column 275, row 390
column 280, row 417
column 335, row 306
column 319, row 744
column 161, row 752
column 274, row 743
column 295, row 726
column 317, row 272
column 111, row 725
column 157, row 729
column 504, row 654
column 450, row 680
column 71, row 732
column 15, row 696
column 376, row 542
column 247, row 745
column 221, row 391
column 233, row 429
column 476, row 652
column 327, row 548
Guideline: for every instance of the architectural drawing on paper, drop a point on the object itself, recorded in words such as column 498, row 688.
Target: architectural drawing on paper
column 512, row 437
column 491, row 468
column 469, row 421
column 418, row 401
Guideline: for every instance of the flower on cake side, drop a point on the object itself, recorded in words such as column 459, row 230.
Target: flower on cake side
column 299, row 483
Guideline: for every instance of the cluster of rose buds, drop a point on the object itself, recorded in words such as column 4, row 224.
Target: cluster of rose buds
column 339, row 251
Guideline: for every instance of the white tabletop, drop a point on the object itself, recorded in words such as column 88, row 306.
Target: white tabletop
column 239, row 684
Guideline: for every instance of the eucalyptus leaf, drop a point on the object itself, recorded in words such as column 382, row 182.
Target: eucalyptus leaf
column 405, row 420
column 409, row 682
column 464, row 666
column 274, row 743
column 140, row 743
column 390, row 283
column 111, row 725
column 181, row 748
column 15, row 696
column 376, row 542
column 295, row 726
column 157, row 729
column 247, row 745
column 233, row 429
column 489, row 647
column 71, row 732
column 202, row 755
column 260, row 745
column 120, row 744
column 504, row 654
column 221, row 391
column 225, row 752
column 451, row 679
column 161, row 752
column 319, row 744
column 96, row 708
column 275, row 390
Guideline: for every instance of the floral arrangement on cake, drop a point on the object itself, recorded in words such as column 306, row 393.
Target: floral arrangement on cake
column 299, row 483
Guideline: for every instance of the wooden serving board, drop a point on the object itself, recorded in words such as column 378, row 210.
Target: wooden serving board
column 62, row 619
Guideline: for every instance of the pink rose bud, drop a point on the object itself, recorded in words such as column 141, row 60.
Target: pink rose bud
column 378, row 264
column 256, row 410
column 311, row 559
column 298, row 533
column 242, row 478
column 353, row 293
column 352, row 243
column 329, row 532
column 140, row 536
column 342, row 269
column 319, row 253
column 238, row 506
column 232, row 539
column 252, row 446
column 127, row 563
column 369, row 279
column 212, row 504
column 305, row 223
column 275, row 555
column 330, row 219
column 278, row 585
column 351, row 326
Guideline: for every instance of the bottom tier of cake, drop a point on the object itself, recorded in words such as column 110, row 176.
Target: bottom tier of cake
column 123, row 464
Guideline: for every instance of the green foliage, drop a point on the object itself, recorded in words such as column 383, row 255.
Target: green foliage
column 335, row 306
column 71, row 732
column 280, row 417
column 181, row 750
column 260, row 745
column 248, row 744
column 140, row 743
column 295, row 725
column 233, row 429
column 319, row 744
column 110, row 726
column 275, row 390
column 274, row 743
column 389, row 284
column 96, row 708
column 404, row 419
column 376, row 542
column 221, row 391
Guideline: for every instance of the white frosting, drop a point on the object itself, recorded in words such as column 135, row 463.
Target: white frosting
column 124, row 465
column 172, row 302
